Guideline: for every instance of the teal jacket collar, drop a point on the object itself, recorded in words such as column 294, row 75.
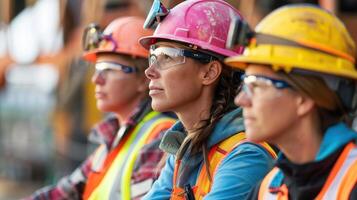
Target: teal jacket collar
column 229, row 125
column 335, row 138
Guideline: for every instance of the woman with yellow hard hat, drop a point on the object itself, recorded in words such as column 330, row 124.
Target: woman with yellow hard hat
column 297, row 93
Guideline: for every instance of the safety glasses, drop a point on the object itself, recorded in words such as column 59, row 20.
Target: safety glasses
column 156, row 14
column 93, row 38
column 255, row 84
column 166, row 57
column 239, row 33
column 107, row 66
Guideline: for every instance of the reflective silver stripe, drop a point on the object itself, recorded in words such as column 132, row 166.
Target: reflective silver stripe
column 99, row 158
column 115, row 192
column 139, row 189
column 332, row 191
column 267, row 195
column 102, row 152
column 119, row 136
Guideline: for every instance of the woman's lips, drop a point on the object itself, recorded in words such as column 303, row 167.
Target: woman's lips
column 248, row 120
column 155, row 90
column 99, row 95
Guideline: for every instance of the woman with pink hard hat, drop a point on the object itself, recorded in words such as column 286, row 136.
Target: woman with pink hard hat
column 209, row 156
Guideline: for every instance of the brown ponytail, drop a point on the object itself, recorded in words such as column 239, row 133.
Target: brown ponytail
column 225, row 92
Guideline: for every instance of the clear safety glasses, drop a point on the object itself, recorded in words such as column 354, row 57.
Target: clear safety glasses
column 103, row 68
column 254, row 85
column 93, row 38
column 166, row 57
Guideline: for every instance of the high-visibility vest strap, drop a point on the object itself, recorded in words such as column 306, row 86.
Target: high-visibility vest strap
column 339, row 184
column 115, row 182
column 343, row 175
column 177, row 193
column 215, row 156
column 269, row 149
column 264, row 192
column 348, row 183
column 96, row 176
column 154, row 127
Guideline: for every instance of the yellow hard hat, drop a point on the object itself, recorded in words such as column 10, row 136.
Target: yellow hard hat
column 301, row 37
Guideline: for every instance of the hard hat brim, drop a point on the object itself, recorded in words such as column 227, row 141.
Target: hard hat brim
column 331, row 65
column 91, row 56
column 146, row 42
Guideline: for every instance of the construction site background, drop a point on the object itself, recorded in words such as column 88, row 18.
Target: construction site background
column 47, row 104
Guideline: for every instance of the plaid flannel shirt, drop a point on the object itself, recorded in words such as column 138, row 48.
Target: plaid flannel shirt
column 146, row 166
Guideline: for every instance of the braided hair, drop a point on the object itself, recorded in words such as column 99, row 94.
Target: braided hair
column 223, row 99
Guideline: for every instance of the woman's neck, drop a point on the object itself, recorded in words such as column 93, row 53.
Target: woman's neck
column 191, row 115
column 123, row 114
column 302, row 142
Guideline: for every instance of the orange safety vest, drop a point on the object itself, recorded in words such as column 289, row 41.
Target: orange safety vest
column 112, row 179
column 339, row 184
column 215, row 156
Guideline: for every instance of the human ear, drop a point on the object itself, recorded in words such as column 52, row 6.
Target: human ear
column 211, row 72
column 304, row 105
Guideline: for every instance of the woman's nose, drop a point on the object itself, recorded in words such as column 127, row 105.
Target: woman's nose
column 151, row 72
column 98, row 78
column 242, row 99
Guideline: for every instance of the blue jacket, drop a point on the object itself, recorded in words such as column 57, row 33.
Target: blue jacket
column 242, row 169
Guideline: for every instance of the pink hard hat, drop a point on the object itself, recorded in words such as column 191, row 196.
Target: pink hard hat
column 203, row 23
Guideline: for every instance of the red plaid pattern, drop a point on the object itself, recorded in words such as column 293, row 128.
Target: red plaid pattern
column 146, row 166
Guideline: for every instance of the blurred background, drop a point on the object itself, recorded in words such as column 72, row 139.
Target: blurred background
column 47, row 104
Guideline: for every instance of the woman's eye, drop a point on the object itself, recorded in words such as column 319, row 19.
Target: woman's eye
column 256, row 86
column 167, row 57
column 127, row 69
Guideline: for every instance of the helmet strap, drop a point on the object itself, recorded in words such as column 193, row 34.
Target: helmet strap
column 347, row 93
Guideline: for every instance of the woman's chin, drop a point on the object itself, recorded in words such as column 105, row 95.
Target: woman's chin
column 159, row 106
column 252, row 135
column 104, row 108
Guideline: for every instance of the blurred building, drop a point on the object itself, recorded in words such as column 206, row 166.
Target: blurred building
column 47, row 104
